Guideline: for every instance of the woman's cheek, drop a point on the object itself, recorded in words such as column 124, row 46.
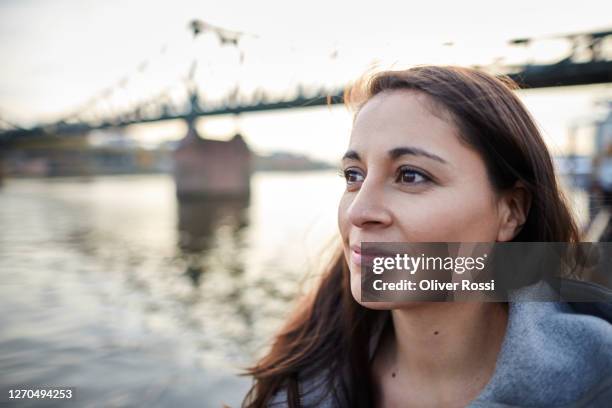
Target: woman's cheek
column 447, row 219
column 469, row 223
column 423, row 218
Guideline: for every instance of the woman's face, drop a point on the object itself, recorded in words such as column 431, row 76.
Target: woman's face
column 411, row 179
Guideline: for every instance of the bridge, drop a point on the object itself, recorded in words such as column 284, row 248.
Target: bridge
column 589, row 61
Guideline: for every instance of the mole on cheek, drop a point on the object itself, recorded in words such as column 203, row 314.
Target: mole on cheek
column 436, row 333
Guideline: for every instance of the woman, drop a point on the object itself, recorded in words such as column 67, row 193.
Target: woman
column 440, row 154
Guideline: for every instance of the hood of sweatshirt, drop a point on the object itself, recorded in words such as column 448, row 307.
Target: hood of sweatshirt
column 554, row 354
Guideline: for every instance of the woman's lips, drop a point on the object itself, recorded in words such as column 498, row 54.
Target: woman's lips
column 355, row 257
column 367, row 259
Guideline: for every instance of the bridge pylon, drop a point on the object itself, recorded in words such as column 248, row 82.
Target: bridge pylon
column 211, row 168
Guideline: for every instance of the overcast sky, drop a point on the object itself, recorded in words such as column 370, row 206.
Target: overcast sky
column 58, row 54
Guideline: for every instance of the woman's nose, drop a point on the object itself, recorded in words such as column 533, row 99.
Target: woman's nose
column 369, row 207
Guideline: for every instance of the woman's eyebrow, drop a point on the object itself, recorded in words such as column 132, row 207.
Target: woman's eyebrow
column 351, row 154
column 415, row 151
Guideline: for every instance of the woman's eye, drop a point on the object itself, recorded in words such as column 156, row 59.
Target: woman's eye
column 411, row 176
column 352, row 176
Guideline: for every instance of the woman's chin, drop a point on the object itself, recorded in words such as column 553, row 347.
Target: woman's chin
column 378, row 305
column 400, row 303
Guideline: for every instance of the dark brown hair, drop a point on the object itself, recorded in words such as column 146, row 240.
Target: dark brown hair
column 328, row 335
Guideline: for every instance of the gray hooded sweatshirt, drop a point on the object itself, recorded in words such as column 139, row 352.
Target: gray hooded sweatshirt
column 554, row 354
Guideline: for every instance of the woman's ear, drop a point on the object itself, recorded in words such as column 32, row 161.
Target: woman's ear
column 514, row 209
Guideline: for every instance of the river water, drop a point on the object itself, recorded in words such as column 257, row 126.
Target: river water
column 112, row 287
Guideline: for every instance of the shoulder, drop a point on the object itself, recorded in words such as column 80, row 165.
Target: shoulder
column 554, row 353
column 314, row 391
column 323, row 389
